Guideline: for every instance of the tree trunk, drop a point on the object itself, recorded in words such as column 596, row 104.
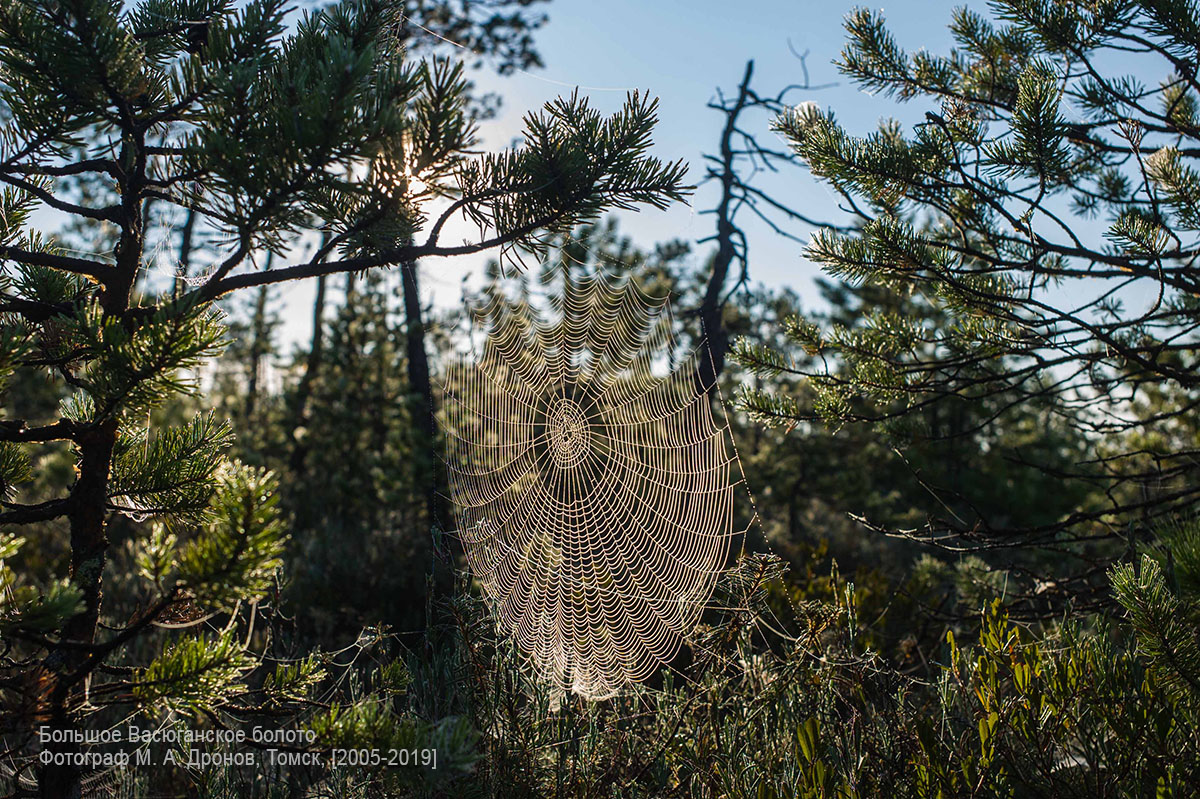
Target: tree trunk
column 421, row 386
column 258, row 344
column 711, row 311
column 183, row 270
column 89, row 553
column 68, row 665
column 296, row 462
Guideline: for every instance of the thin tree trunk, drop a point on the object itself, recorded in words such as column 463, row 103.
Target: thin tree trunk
column 312, row 365
column 184, row 268
column 711, row 310
column 421, row 386
column 89, row 553
column 68, row 665
column 259, row 346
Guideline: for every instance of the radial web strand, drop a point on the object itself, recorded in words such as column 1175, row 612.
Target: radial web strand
column 594, row 488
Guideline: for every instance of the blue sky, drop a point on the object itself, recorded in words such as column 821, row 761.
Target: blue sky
column 682, row 52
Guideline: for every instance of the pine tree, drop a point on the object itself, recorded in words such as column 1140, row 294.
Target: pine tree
column 1045, row 210
column 1161, row 595
column 358, row 503
column 259, row 130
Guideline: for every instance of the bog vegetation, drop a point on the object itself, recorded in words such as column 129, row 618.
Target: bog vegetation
column 974, row 559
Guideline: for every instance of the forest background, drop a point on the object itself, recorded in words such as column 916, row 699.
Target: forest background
column 958, row 351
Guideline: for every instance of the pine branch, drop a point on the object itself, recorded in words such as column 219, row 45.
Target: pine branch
column 41, row 512
column 17, row 431
column 78, row 266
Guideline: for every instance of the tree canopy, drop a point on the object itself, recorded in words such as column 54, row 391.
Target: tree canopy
column 264, row 126
column 963, row 464
column 1044, row 212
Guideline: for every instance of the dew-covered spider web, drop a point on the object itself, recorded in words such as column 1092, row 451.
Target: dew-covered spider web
column 593, row 485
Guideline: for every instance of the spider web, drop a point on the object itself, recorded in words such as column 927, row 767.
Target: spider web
column 594, row 487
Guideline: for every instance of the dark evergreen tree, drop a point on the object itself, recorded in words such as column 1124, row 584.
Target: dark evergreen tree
column 221, row 112
column 359, row 504
column 985, row 216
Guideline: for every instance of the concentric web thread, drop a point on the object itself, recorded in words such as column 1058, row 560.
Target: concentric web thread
column 594, row 488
